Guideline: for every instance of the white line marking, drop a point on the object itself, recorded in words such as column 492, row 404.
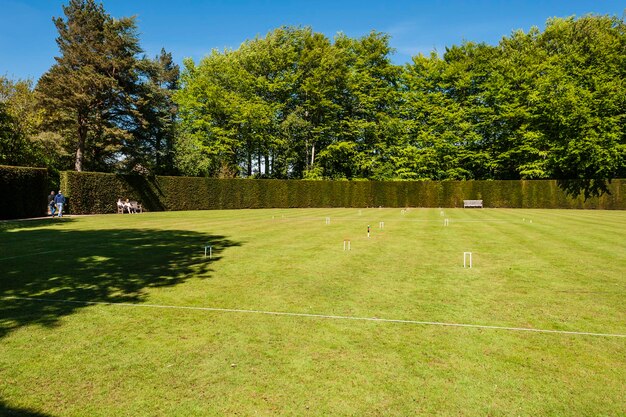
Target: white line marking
column 30, row 254
column 320, row 316
column 395, row 220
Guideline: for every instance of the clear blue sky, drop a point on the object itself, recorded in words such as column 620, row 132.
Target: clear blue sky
column 191, row 28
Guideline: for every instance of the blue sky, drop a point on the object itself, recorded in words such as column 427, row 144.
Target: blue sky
column 192, row 28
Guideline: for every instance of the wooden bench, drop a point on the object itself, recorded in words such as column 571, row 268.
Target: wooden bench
column 138, row 208
column 135, row 207
column 472, row 203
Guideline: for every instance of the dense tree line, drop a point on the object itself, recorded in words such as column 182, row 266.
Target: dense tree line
column 101, row 107
column 296, row 104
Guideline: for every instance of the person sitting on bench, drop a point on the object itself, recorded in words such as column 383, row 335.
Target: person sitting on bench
column 129, row 207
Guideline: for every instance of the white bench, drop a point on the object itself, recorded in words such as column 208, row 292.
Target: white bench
column 472, row 203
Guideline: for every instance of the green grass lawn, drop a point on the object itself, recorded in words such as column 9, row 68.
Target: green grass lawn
column 540, row 269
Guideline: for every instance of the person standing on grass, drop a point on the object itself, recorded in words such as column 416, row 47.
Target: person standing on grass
column 51, row 204
column 59, row 201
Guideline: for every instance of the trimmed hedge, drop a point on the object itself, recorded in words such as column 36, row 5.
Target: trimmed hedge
column 23, row 191
column 91, row 192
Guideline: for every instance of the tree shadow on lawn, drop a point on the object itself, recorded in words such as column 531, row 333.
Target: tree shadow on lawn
column 116, row 266
column 7, row 411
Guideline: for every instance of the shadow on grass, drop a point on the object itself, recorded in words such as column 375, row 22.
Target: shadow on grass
column 33, row 223
column 92, row 265
column 7, row 411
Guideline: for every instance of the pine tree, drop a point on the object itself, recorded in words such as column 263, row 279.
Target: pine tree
column 152, row 145
column 87, row 93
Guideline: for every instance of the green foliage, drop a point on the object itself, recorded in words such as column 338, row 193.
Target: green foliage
column 289, row 105
column 112, row 109
column 86, row 94
column 294, row 104
column 539, row 105
column 15, row 148
column 22, row 143
column 23, row 192
column 98, row 192
column 7, row 138
column 582, row 97
column 152, row 147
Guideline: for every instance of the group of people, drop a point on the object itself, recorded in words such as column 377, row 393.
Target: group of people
column 125, row 206
column 55, row 203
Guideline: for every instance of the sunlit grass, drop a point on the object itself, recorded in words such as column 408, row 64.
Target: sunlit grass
column 539, row 269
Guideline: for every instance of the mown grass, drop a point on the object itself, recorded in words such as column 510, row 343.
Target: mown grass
column 564, row 271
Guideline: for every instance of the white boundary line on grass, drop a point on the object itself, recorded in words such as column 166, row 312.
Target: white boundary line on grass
column 321, row 316
column 30, row 254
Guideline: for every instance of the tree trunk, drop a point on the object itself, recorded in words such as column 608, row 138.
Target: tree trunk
column 157, row 155
column 249, row 163
column 306, row 160
column 80, row 146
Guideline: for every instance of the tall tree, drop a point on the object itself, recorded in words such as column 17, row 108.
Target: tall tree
column 8, row 138
column 369, row 108
column 21, row 140
column 548, row 104
column 87, row 93
column 15, row 147
column 208, row 143
column 151, row 147
column 582, row 101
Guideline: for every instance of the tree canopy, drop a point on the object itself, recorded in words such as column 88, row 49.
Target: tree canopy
column 104, row 100
column 297, row 104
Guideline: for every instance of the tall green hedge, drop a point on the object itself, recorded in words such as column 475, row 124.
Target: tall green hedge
column 23, row 192
column 97, row 193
